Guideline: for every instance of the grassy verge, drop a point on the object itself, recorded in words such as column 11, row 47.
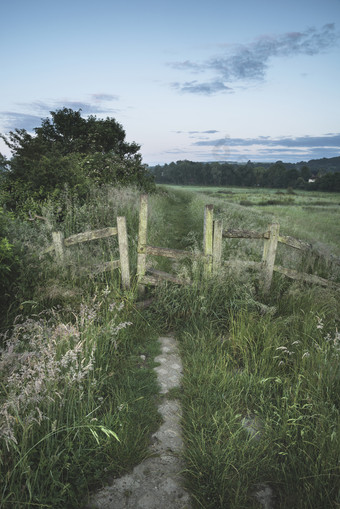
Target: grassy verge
column 261, row 380
column 77, row 386
column 260, row 394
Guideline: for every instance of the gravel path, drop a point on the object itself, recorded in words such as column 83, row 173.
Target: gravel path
column 157, row 481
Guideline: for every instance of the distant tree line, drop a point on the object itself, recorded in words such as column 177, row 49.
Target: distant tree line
column 276, row 175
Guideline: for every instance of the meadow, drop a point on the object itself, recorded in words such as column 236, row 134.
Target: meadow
column 308, row 215
column 78, row 389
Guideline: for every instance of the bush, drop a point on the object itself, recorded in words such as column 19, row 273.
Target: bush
column 8, row 258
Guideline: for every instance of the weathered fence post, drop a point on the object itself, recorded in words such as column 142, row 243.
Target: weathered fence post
column 268, row 257
column 58, row 243
column 123, row 252
column 208, row 238
column 217, row 245
column 142, row 235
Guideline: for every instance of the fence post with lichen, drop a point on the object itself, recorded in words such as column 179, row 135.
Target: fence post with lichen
column 58, row 243
column 217, row 245
column 142, row 236
column 208, row 238
column 123, row 252
column 268, row 257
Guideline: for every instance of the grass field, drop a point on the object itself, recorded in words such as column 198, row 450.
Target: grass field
column 270, row 360
column 273, row 362
column 311, row 216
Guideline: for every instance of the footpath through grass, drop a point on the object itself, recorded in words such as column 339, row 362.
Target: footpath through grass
column 312, row 216
column 272, row 362
column 76, row 369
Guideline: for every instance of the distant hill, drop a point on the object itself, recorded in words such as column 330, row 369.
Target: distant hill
column 275, row 175
column 324, row 165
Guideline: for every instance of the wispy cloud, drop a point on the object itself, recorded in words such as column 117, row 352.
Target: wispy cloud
column 328, row 140
column 209, row 131
column 243, row 153
column 207, row 88
column 250, row 62
column 105, row 97
column 37, row 110
column 265, row 148
column 13, row 120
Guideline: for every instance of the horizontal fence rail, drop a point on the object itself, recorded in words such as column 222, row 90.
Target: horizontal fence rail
column 267, row 266
column 295, row 243
column 249, row 234
column 244, row 234
column 90, row 235
column 60, row 243
column 213, row 235
column 307, row 278
column 151, row 276
column 175, row 254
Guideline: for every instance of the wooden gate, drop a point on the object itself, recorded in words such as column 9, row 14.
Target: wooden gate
column 211, row 255
column 153, row 276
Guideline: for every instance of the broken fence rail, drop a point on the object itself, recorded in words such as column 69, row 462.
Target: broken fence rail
column 60, row 243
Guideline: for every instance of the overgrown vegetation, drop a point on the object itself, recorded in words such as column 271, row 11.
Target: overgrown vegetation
column 78, row 390
column 261, row 382
column 273, row 361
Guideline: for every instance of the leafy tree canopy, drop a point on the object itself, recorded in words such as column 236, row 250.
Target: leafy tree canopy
column 68, row 149
column 68, row 132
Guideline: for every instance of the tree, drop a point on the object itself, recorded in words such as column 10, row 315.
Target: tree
column 305, row 173
column 68, row 149
column 300, row 183
column 3, row 167
column 291, row 177
column 328, row 182
column 260, row 173
column 277, row 175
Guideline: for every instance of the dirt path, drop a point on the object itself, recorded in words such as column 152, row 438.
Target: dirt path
column 157, row 481
column 179, row 220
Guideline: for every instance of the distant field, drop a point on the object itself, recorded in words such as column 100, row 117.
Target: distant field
column 311, row 216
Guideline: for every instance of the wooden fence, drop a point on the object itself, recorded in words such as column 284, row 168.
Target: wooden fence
column 152, row 276
column 267, row 266
column 213, row 235
column 212, row 252
column 60, row 244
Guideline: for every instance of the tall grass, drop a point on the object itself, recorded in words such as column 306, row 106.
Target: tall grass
column 77, row 386
column 261, row 377
column 76, row 401
column 261, row 382
column 276, row 369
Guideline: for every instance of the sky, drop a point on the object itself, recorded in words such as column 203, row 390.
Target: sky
column 215, row 80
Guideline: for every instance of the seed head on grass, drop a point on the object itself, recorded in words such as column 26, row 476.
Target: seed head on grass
column 41, row 362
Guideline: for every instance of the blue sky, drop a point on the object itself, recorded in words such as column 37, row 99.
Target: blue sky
column 198, row 80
